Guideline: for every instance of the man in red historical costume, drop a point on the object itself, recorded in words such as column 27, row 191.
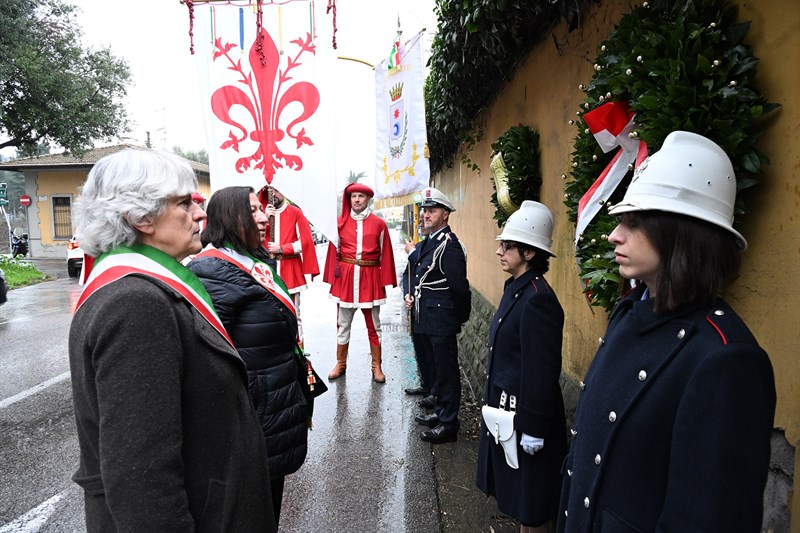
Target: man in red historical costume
column 289, row 240
column 359, row 272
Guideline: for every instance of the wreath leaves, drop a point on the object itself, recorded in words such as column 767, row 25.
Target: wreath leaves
column 681, row 66
column 520, row 148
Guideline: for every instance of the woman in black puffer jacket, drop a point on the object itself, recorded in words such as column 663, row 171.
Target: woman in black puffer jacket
column 258, row 314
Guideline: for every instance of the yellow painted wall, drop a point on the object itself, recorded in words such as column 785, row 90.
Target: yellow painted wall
column 58, row 183
column 544, row 94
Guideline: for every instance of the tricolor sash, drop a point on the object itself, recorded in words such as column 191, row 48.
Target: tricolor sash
column 150, row 262
column 261, row 272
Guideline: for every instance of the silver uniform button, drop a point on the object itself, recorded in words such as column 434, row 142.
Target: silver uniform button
column 569, row 472
column 597, row 459
column 573, row 432
column 583, row 385
column 566, row 513
column 601, row 341
column 516, row 295
column 612, row 416
column 681, row 333
column 586, row 502
column 719, row 312
column 501, row 319
column 642, row 375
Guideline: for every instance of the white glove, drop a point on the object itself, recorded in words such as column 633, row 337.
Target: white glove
column 531, row 445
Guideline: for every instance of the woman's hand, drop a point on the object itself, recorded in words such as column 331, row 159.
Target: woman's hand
column 531, row 445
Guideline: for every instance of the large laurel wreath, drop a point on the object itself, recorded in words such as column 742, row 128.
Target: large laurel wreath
column 681, row 66
column 520, row 148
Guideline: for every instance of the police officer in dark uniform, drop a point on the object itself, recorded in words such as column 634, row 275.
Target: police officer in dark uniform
column 673, row 426
column 439, row 297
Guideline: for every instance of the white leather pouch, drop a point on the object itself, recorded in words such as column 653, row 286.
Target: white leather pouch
column 500, row 424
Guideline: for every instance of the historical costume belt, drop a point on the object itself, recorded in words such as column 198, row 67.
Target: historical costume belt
column 281, row 257
column 360, row 262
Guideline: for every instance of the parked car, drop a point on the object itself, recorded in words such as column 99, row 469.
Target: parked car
column 74, row 258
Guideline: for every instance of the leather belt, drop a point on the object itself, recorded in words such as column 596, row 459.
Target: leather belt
column 360, row 262
column 280, row 257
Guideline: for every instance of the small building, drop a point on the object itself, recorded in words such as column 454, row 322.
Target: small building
column 53, row 182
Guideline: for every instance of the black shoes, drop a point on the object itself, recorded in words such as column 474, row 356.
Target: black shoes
column 428, row 420
column 427, row 402
column 440, row 434
column 418, row 391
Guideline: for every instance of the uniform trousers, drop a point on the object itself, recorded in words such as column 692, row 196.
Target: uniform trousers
column 443, row 351
column 344, row 321
column 424, row 364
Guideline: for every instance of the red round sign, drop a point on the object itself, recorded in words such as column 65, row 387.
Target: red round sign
column 24, row 200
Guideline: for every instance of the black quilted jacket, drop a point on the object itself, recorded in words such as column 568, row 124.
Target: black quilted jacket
column 264, row 332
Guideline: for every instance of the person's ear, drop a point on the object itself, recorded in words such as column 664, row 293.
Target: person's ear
column 529, row 254
column 145, row 227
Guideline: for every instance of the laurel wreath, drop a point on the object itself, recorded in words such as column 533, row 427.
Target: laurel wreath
column 519, row 146
column 397, row 151
column 681, row 66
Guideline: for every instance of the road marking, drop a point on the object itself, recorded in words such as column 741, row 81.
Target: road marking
column 30, row 392
column 34, row 519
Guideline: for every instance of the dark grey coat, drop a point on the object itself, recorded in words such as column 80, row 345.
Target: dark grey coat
column 525, row 361
column 673, row 425
column 169, row 440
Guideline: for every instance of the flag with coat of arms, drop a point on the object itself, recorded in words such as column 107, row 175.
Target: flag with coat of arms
column 401, row 144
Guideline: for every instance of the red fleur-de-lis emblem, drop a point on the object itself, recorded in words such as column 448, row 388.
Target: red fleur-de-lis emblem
column 265, row 92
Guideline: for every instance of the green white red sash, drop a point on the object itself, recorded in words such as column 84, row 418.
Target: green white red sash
column 261, row 272
column 147, row 261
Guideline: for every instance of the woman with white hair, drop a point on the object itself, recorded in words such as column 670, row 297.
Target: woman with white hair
column 168, row 438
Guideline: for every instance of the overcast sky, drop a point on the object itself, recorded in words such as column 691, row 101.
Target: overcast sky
column 152, row 35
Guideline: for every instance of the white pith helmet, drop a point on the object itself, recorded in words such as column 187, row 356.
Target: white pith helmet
column 531, row 224
column 432, row 197
column 691, row 175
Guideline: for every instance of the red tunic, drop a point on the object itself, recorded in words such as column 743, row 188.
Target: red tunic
column 361, row 286
column 293, row 233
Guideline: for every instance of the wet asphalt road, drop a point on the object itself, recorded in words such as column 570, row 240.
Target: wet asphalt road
column 367, row 469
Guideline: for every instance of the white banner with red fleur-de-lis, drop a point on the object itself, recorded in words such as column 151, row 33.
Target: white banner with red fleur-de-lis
column 269, row 115
column 401, row 143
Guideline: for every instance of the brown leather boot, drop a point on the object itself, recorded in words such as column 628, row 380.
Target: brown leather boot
column 377, row 373
column 341, row 362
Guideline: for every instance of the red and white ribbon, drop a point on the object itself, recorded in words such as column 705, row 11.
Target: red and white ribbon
column 610, row 124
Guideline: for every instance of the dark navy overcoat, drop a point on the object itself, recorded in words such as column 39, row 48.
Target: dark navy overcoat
column 673, row 425
column 525, row 361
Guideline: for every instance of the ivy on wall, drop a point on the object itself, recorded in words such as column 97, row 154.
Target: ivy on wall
column 476, row 50
column 681, row 66
column 519, row 146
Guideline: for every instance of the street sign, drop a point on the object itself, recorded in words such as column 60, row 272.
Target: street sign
column 24, row 200
column 3, row 194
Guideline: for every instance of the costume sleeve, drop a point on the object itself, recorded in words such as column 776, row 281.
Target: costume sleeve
column 720, row 448
column 137, row 358
column 388, row 274
column 310, row 263
column 540, row 335
column 330, row 265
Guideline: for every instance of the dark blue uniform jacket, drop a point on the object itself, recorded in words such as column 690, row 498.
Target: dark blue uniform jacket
column 444, row 300
column 673, row 425
column 525, row 361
